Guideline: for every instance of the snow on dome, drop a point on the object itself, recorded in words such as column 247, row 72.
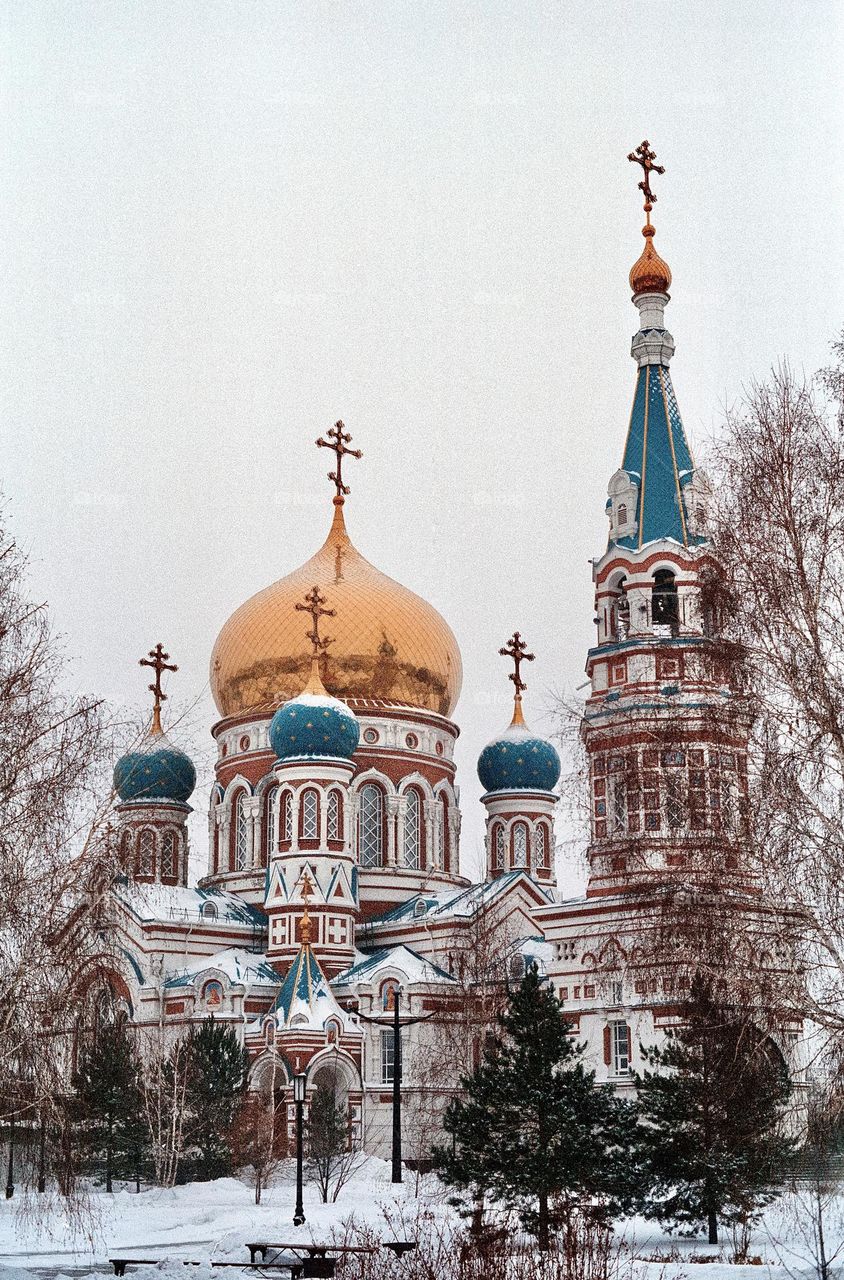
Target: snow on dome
column 154, row 770
column 519, row 760
column 314, row 724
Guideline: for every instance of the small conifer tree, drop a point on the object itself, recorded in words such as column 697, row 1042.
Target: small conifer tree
column 328, row 1135
column 534, row 1130
column 217, row 1072
column 107, row 1105
column 710, row 1145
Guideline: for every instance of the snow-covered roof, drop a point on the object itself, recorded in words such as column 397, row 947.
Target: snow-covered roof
column 456, row 903
column 164, row 902
column 245, row 967
column 305, row 1000
column 368, row 965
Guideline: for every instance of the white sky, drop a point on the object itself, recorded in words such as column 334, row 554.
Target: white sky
column 227, row 224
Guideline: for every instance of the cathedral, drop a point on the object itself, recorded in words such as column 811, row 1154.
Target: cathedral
column 333, row 890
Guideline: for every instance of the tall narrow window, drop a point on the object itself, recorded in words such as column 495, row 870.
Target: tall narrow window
column 622, row 514
column 146, row 853
column 287, row 817
column 540, row 844
column 371, row 826
column 412, row 830
column 309, row 823
column 388, row 1056
column 620, row 1048
column 665, row 604
column 618, row 803
column 169, row 856
column 335, row 819
column 126, row 851
column 241, row 833
column 520, row 845
column 500, row 848
column 675, row 806
column 444, row 837
column 271, row 826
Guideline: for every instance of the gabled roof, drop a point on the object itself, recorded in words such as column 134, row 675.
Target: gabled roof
column 658, row 459
column 305, row 999
column 457, row 903
column 238, row 966
column 369, row 964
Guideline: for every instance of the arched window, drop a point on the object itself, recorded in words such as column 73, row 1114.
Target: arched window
column 270, row 825
column 413, row 830
column 665, row 606
column 335, row 815
column 371, row 826
column 622, row 514
column 170, row 856
column 241, row 832
column 389, row 991
column 444, row 837
column 499, row 845
column 620, row 611
column 287, row 817
column 309, row 815
column 146, row 852
column 520, row 845
column 540, row 845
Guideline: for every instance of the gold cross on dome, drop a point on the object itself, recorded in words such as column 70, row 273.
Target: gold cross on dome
column 517, row 650
column 644, row 156
column 313, row 605
column 338, row 438
column 158, row 660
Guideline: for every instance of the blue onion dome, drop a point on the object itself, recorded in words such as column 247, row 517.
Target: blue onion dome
column 314, row 724
column 154, row 770
column 519, row 760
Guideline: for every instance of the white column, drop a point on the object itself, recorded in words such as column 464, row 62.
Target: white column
column 430, row 809
column 401, row 853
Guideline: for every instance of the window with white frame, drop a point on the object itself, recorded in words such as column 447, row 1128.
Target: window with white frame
column 500, row 848
column 146, row 853
column 620, row 1045
column 310, row 815
column 520, row 845
column 412, row 830
column 371, row 826
column 440, row 819
column 618, row 803
column 334, row 832
column 388, row 1056
column 169, row 855
column 241, row 834
column 287, row 817
column 540, row 844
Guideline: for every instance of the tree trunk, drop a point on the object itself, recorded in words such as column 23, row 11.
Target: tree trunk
column 712, row 1217
column 542, row 1234
column 109, row 1153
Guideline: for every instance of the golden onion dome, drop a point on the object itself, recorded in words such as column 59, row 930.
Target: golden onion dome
column 651, row 274
column 386, row 642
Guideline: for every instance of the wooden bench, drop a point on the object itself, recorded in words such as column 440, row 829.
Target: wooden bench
column 119, row 1265
column 317, row 1262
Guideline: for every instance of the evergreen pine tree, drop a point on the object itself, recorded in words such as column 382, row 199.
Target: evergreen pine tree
column 709, row 1140
column 534, row 1130
column 328, row 1135
column 107, row 1106
column 218, row 1067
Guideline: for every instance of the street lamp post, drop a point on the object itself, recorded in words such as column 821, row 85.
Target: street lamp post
column 299, row 1099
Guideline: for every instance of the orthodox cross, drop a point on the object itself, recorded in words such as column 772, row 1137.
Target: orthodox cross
column 645, row 157
column 517, row 650
column 158, row 660
column 305, row 922
column 338, row 438
column 313, row 605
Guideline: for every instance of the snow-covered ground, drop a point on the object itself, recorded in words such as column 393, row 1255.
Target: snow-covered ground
column 216, row 1220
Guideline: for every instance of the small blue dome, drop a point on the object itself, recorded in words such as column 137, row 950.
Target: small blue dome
column 155, row 770
column 314, row 724
column 518, row 760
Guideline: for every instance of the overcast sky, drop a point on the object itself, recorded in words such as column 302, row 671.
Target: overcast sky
column 227, row 224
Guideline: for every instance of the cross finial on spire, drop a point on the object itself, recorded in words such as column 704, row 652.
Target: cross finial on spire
column 305, row 922
column 644, row 156
column 158, row 660
column 313, row 605
column 338, row 438
column 516, row 649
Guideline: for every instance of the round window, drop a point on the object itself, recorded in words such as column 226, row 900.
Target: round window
column 370, row 735
column 439, row 748
column 411, row 740
column 244, row 743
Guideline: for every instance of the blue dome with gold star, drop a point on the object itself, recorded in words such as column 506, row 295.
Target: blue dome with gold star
column 518, row 760
column 154, row 770
column 314, row 724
